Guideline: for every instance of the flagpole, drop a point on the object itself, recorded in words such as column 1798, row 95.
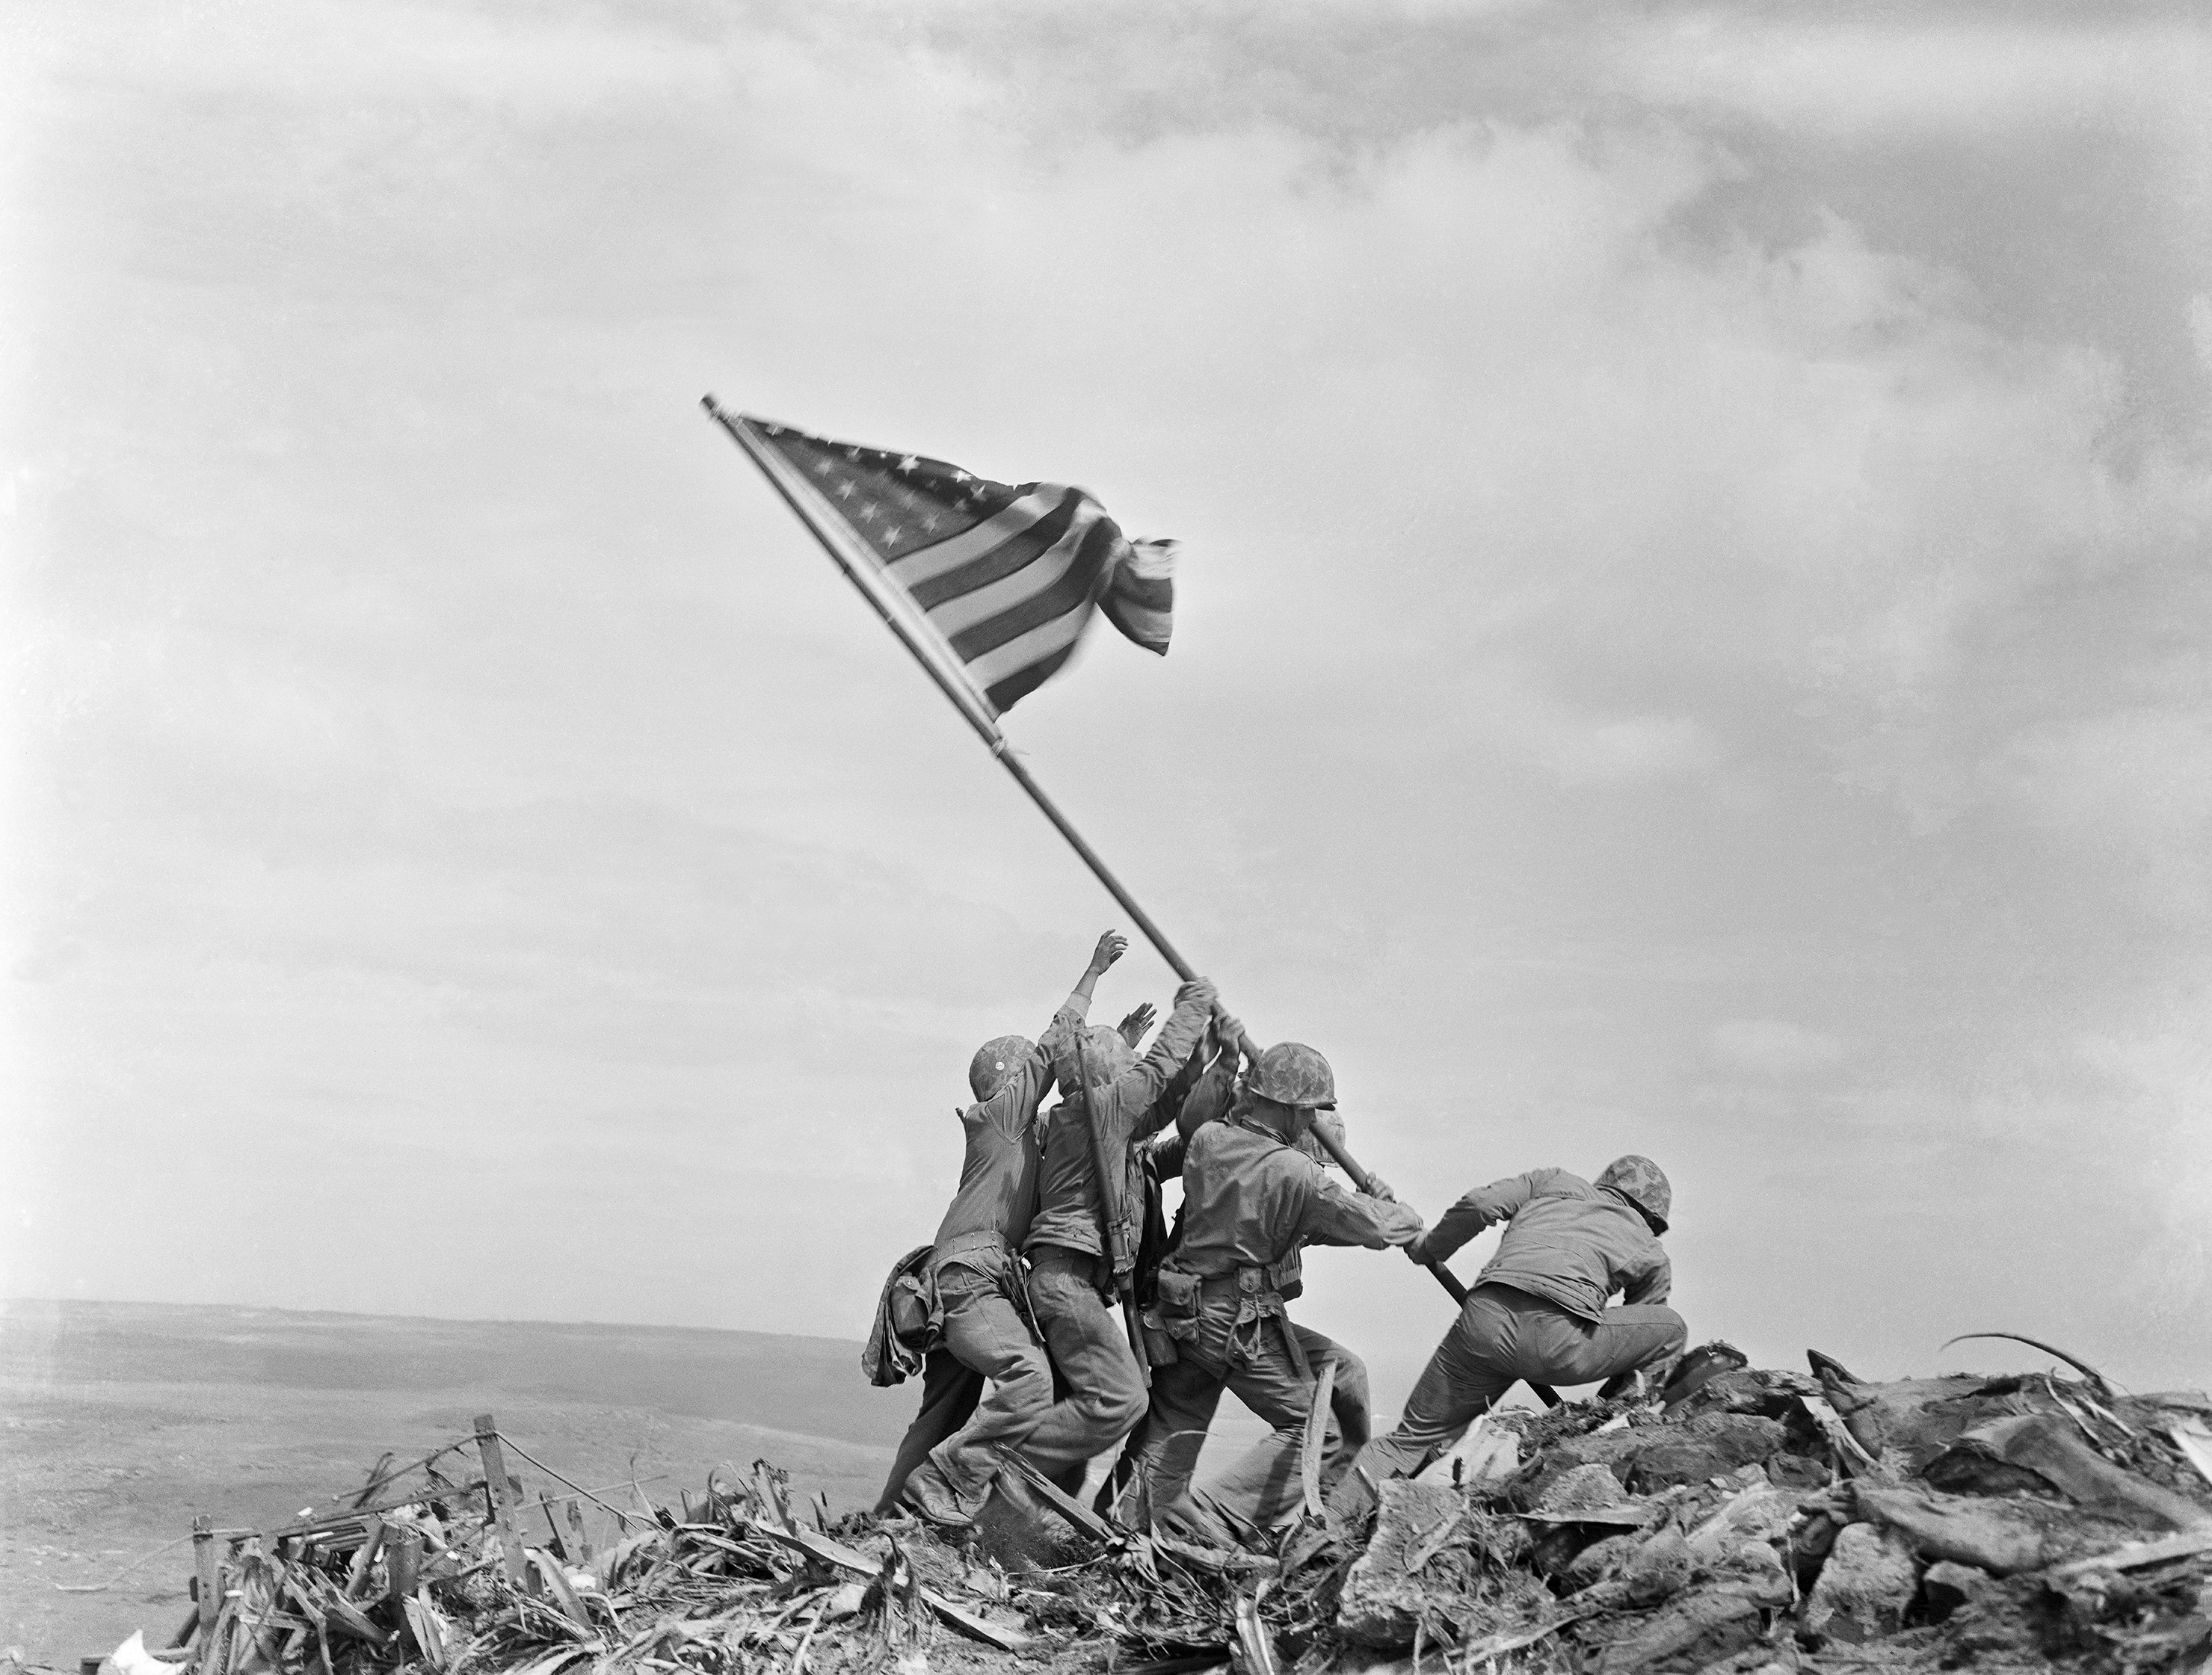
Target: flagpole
column 962, row 697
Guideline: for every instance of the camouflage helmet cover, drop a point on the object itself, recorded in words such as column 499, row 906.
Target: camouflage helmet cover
column 1292, row 1073
column 1642, row 1183
column 1107, row 1054
column 994, row 1061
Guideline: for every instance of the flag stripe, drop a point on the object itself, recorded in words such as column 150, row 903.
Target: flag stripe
column 928, row 563
column 1003, row 696
column 1073, row 593
column 993, row 585
column 1054, row 639
column 1011, row 555
column 1035, row 579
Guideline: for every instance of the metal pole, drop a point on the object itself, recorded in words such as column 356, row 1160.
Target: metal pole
column 962, row 698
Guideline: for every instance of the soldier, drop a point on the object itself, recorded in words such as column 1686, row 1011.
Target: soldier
column 1082, row 1220
column 1252, row 1199
column 1539, row 1310
column 972, row 1272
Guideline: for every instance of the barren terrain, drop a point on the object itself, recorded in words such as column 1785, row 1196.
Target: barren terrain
column 118, row 1421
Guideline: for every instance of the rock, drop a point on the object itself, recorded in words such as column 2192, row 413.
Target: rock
column 1689, row 1633
column 1864, row 1587
column 1596, row 1562
column 1659, row 1570
column 1948, row 1585
column 1612, row 1449
column 1744, row 1390
column 1760, row 1514
column 2048, row 1452
column 1485, row 1455
column 1383, row 1597
column 2003, row 1538
column 1707, row 1445
column 1758, row 1570
column 1918, row 1418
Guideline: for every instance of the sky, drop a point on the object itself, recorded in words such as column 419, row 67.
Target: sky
column 1694, row 637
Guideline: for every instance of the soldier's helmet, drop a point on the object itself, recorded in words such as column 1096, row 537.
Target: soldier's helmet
column 1106, row 1055
column 1292, row 1073
column 1642, row 1183
column 995, row 1062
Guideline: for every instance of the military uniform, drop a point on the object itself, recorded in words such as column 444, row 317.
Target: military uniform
column 977, row 1282
column 1070, row 1265
column 1251, row 1200
column 1537, row 1312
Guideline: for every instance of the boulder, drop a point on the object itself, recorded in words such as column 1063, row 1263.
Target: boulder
column 1596, row 1562
column 1660, row 1568
column 2003, row 1538
column 1383, row 1595
column 1690, row 1632
column 1949, row 1585
column 1759, row 1515
column 1865, row 1587
column 2047, row 1449
column 1708, row 1446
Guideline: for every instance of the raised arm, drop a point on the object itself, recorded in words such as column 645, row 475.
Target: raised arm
column 1112, row 946
column 1209, row 1100
column 1076, row 1007
column 1137, row 1089
column 1480, row 1209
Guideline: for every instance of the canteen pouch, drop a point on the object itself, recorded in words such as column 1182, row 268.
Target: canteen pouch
column 1175, row 1302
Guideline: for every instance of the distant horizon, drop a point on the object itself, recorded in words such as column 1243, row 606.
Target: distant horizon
column 7, row 1297
column 2000, row 1347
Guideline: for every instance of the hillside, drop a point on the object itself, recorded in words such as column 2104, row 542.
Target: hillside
column 124, row 1420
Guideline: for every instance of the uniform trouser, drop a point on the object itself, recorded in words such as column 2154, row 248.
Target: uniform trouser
column 1091, row 1347
column 987, row 1334
column 949, row 1394
column 953, row 1382
column 1258, row 1478
column 1502, row 1335
column 1253, row 1362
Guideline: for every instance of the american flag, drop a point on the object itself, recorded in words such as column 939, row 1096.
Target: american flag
column 1006, row 576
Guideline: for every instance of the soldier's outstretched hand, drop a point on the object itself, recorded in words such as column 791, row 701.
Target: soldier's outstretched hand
column 1199, row 990
column 1111, row 947
column 1132, row 1028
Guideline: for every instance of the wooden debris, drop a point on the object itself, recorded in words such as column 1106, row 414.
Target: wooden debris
column 1750, row 1555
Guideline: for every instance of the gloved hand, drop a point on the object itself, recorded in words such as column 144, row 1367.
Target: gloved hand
column 1227, row 1032
column 1417, row 1250
column 1197, row 991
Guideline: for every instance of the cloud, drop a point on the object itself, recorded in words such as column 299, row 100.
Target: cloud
column 1643, row 570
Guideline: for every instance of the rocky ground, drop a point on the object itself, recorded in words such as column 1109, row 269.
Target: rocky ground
column 1740, row 1518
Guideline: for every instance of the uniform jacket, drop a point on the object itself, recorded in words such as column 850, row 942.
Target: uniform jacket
column 998, row 1191
column 1566, row 1241
column 1137, row 1103
column 1251, row 1199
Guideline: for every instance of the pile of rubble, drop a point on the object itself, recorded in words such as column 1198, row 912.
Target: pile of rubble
column 1739, row 1520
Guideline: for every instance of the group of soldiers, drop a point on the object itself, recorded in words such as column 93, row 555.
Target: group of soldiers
column 1057, row 1313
